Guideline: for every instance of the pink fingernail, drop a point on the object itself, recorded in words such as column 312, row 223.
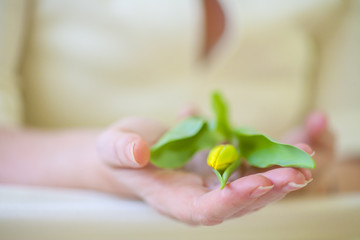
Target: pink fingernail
column 261, row 191
column 292, row 186
column 309, row 181
column 130, row 152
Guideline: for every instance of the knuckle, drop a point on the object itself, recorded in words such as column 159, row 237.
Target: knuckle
column 101, row 142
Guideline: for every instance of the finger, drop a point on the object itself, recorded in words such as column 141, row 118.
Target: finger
column 127, row 143
column 187, row 110
column 314, row 128
column 120, row 149
column 319, row 134
column 316, row 125
column 148, row 129
column 297, row 135
column 306, row 148
column 285, row 180
column 215, row 206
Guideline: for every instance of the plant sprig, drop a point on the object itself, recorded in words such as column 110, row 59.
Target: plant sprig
column 194, row 134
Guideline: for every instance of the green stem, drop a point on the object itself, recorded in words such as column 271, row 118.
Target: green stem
column 224, row 176
column 229, row 170
column 218, row 174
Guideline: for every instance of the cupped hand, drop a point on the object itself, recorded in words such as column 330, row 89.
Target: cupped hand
column 180, row 194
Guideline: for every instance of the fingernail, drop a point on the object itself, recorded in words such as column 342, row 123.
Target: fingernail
column 291, row 186
column 309, row 181
column 261, row 191
column 307, row 173
column 130, row 153
column 305, row 147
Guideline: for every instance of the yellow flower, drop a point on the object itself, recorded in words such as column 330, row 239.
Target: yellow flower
column 221, row 156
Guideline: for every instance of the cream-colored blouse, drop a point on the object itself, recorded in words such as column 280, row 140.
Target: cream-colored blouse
column 88, row 64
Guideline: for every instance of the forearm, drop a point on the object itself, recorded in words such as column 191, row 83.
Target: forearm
column 53, row 158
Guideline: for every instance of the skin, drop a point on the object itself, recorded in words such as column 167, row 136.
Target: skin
column 115, row 161
column 104, row 161
column 316, row 133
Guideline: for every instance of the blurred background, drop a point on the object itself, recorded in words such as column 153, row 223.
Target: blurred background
column 68, row 64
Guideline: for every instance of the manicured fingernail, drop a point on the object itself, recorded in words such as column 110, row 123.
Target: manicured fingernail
column 291, row 186
column 309, row 181
column 307, row 173
column 130, row 152
column 261, row 191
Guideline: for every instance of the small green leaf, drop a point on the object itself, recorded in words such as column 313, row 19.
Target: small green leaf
column 261, row 151
column 221, row 115
column 187, row 128
column 223, row 176
column 180, row 143
column 229, row 170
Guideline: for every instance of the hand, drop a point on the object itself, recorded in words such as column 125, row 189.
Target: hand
column 316, row 133
column 179, row 194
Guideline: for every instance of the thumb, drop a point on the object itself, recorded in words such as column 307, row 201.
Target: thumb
column 186, row 111
column 121, row 149
column 127, row 142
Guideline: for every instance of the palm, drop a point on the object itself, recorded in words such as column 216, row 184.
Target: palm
column 184, row 195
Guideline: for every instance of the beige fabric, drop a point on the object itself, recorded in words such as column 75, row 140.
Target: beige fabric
column 43, row 213
column 11, row 35
column 91, row 64
column 339, row 79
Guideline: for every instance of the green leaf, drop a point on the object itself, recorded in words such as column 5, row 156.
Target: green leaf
column 261, row 151
column 187, row 128
column 180, row 143
column 221, row 115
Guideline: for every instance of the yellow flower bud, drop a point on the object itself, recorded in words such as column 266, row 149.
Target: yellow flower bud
column 221, row 156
